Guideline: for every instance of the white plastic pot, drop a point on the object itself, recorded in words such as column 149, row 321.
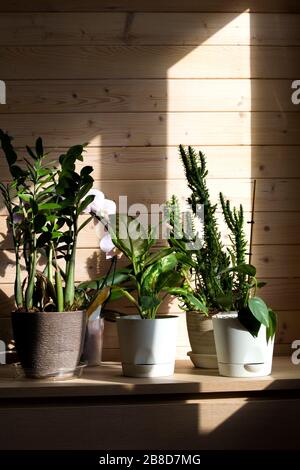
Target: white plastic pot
column 201, row 336
column 240, row 354
column 148, row 347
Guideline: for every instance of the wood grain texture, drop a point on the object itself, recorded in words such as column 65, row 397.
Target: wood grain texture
column 271, row 195
column 160, row 163
column 149, row 28
column 270, row 228
column 106, row 96
column 270, row 260
column 95, row 62
column 236, row 6
column 156, row 129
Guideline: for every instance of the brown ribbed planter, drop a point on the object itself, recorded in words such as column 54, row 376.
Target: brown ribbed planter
column 48, row 342
column 201, row 336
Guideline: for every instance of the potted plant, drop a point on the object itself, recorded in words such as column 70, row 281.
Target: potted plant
column 147, row 339
column 244, row 327
column 44, row 203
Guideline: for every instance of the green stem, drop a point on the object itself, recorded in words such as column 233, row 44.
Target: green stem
column 50, row 265
column 18, row 283
column 70, row 279
column 59, row 291
column 31, row 278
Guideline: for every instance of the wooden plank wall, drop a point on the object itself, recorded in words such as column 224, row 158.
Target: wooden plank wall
column 137, row 78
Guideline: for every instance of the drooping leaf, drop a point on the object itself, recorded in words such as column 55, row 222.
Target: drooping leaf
column 259, row 310
column 271, row 330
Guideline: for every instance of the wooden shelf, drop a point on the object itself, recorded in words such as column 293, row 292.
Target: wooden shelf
column 107, row 380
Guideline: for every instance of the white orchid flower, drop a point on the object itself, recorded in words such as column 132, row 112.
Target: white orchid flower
column 100, row 206
column 107, row 246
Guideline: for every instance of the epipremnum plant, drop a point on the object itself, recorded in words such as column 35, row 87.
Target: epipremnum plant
column 152, row 275
column 44, row 203
column 218, row 276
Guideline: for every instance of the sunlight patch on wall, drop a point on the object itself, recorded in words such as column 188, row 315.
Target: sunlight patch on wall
column 210, row 109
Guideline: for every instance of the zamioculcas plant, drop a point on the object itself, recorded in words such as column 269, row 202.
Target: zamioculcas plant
column 220, row 277
column 44, row 203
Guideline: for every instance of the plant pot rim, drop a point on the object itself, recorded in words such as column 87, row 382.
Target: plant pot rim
column 226, row 315
column 202, row 316
column 138, row 317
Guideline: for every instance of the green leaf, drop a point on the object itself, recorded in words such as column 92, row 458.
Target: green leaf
column 25, row 197
column 152, row 273
column 169, row 279
column 259, row 310
column 49, row 206
column 85, row 203
column 157, row 256
column 225, row 301
column 196, row 303
column 271, row 329
column 149, row 302
column 241, row 269
column 119, row 277
column 247, row 319
column 86, row 170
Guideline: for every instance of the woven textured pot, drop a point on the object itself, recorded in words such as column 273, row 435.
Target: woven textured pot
column 201, row 336
column 48, row 343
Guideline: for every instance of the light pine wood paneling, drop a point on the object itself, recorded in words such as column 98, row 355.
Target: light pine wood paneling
column 146, row 129
column 270, row 260
column 271, row 195
column 157, row 163
column 270, row 228
column 94, row 62
column 149, row 28
column 89, row 96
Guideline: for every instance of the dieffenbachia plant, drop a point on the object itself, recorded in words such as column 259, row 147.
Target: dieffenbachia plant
column 152, row 275
column 220, row 276
column 44, row 204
